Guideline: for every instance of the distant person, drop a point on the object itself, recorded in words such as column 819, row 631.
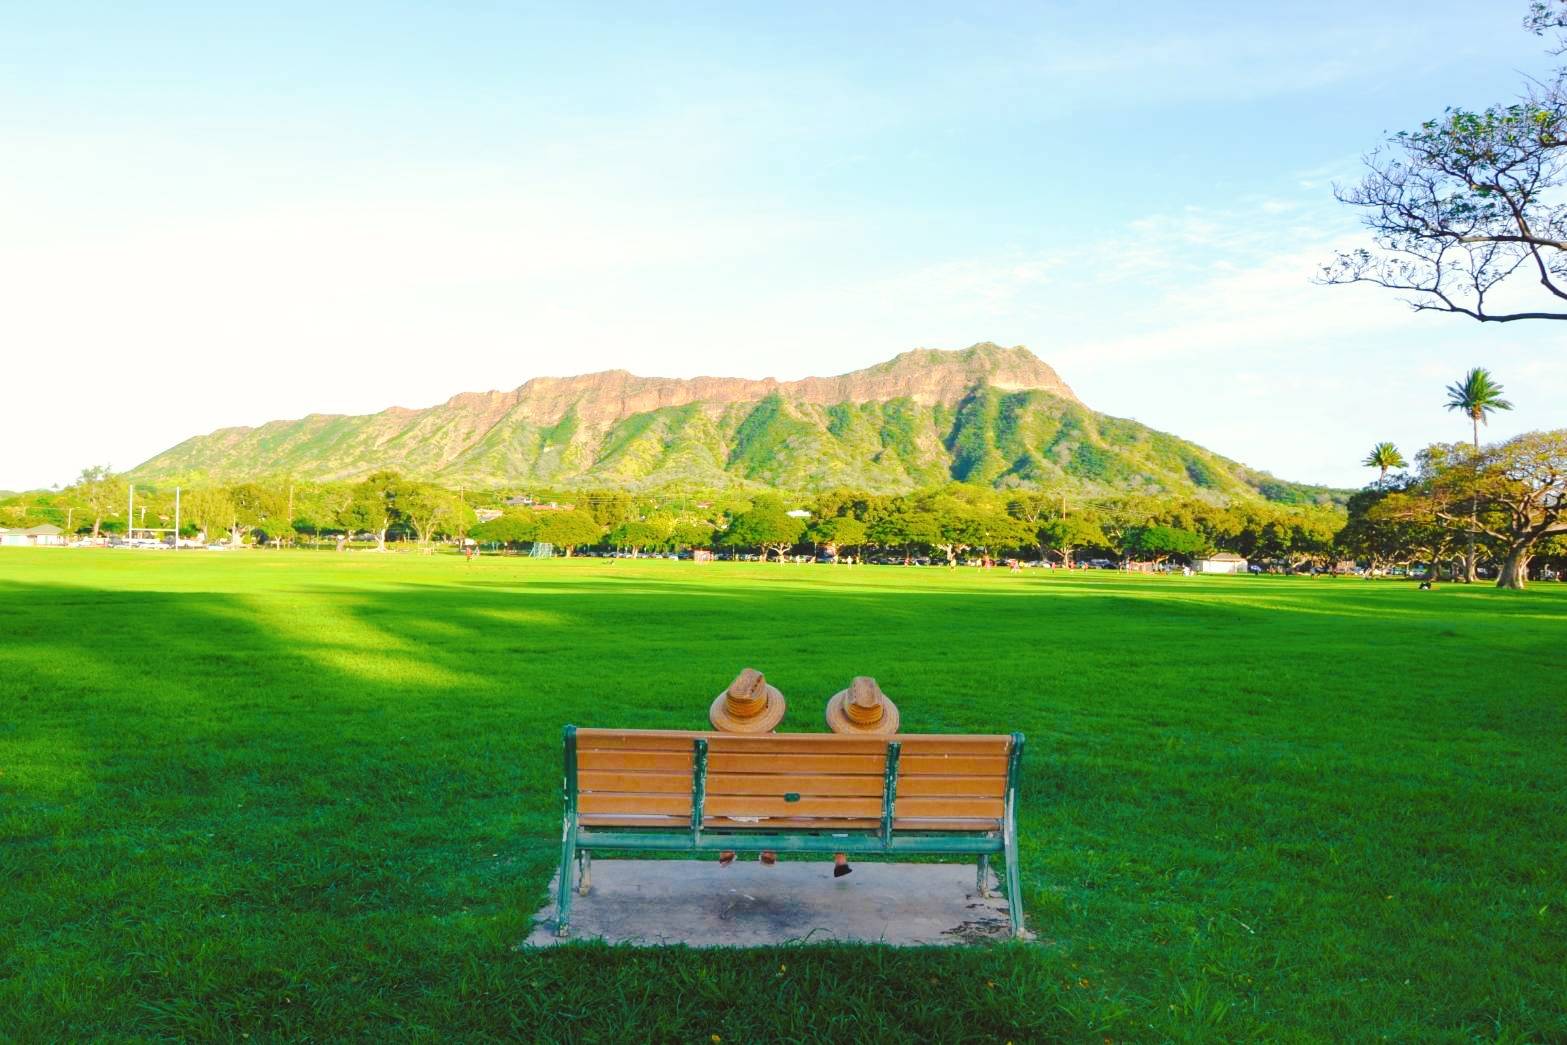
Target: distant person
column 748, row 706
column 861, row 710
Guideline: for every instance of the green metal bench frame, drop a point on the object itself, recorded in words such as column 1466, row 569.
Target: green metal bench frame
column 578, row 842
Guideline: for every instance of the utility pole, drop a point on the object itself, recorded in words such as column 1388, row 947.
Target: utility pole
column 130, row 509
column 176, row 518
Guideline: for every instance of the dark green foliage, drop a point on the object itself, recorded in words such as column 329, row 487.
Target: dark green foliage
column 839, row 417
column 767, row 526
column 568, row 529
column 1160, row 542
column 763, row 437
column 1200, row 473
column 972, row 440
column 1095, row 464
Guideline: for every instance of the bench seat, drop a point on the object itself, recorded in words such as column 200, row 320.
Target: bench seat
column 703, row 792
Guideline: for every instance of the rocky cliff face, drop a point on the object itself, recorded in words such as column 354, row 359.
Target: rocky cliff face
column 926, row 376
column 984, row 414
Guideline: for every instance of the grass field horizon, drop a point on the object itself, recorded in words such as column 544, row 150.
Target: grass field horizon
column 295, row 794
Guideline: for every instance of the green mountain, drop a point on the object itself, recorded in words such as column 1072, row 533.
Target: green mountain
column 985, row 414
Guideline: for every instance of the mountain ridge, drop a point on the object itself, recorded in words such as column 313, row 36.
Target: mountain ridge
column 987, row 414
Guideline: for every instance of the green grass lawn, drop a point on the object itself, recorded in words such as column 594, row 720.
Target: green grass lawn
column 317, row 796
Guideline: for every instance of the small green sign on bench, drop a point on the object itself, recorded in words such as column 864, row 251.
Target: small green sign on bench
column 675, row 791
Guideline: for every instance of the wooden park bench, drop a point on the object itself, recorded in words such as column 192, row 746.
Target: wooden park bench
column 673, row 791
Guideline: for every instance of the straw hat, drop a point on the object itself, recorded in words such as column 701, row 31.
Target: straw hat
column 749, row 705
column 862, row 708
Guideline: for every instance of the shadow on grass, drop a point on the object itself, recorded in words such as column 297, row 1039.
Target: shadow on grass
column 330, row 811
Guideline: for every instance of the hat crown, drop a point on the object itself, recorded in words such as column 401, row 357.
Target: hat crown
column 864, row 692
column 746, row 696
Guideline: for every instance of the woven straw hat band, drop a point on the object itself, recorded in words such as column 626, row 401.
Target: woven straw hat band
column 863, row 716
column 863, row 705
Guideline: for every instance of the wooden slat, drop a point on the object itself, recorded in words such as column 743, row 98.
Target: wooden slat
column 798, row 744
column 673, row 823
column 978, row 744
column 663, row 761
column 951, row 786
column 605, row 802
column 638, row 783
column 777, row 762
column 952, row 765
column 773, row 762
column 683, row 823
column 633, row 740
column 758, row 805
column 950, row 807
column 826, row 743
column 777, row 785
column 797, row 823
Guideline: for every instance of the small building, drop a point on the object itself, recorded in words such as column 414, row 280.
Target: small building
column 45, row 535
column 1221, row 562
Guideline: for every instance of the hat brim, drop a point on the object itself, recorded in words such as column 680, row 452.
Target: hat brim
column 765, row 722
column 839, row 721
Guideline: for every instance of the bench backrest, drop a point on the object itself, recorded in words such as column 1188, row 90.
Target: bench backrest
column 783, row 781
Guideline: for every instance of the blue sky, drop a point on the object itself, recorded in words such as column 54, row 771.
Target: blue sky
column 216, row 215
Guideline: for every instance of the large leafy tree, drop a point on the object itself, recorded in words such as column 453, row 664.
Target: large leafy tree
column 1065, row 535
column 1160, row 542
column 1469, row 203
column 637, row 534
column 513, row 527
column 766, row 526
column 430, row 510
column 569, row 529
column 1514, row 492
column 837, row 532
column 691, row 533
column 373, row 506
column 257, row 507
column 900, row 523
column 100, row 491
column 212, row 510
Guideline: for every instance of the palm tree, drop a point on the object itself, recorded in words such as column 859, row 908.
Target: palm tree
column 1476, row 395
column 1384, row 456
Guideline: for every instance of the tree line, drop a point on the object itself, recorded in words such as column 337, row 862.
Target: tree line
column 947, row 522
column 1462, row 504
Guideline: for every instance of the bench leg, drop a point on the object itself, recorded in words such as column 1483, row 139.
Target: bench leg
column 584, row 872
column 563, row 891
column 1014, row 885
column 982, row 875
